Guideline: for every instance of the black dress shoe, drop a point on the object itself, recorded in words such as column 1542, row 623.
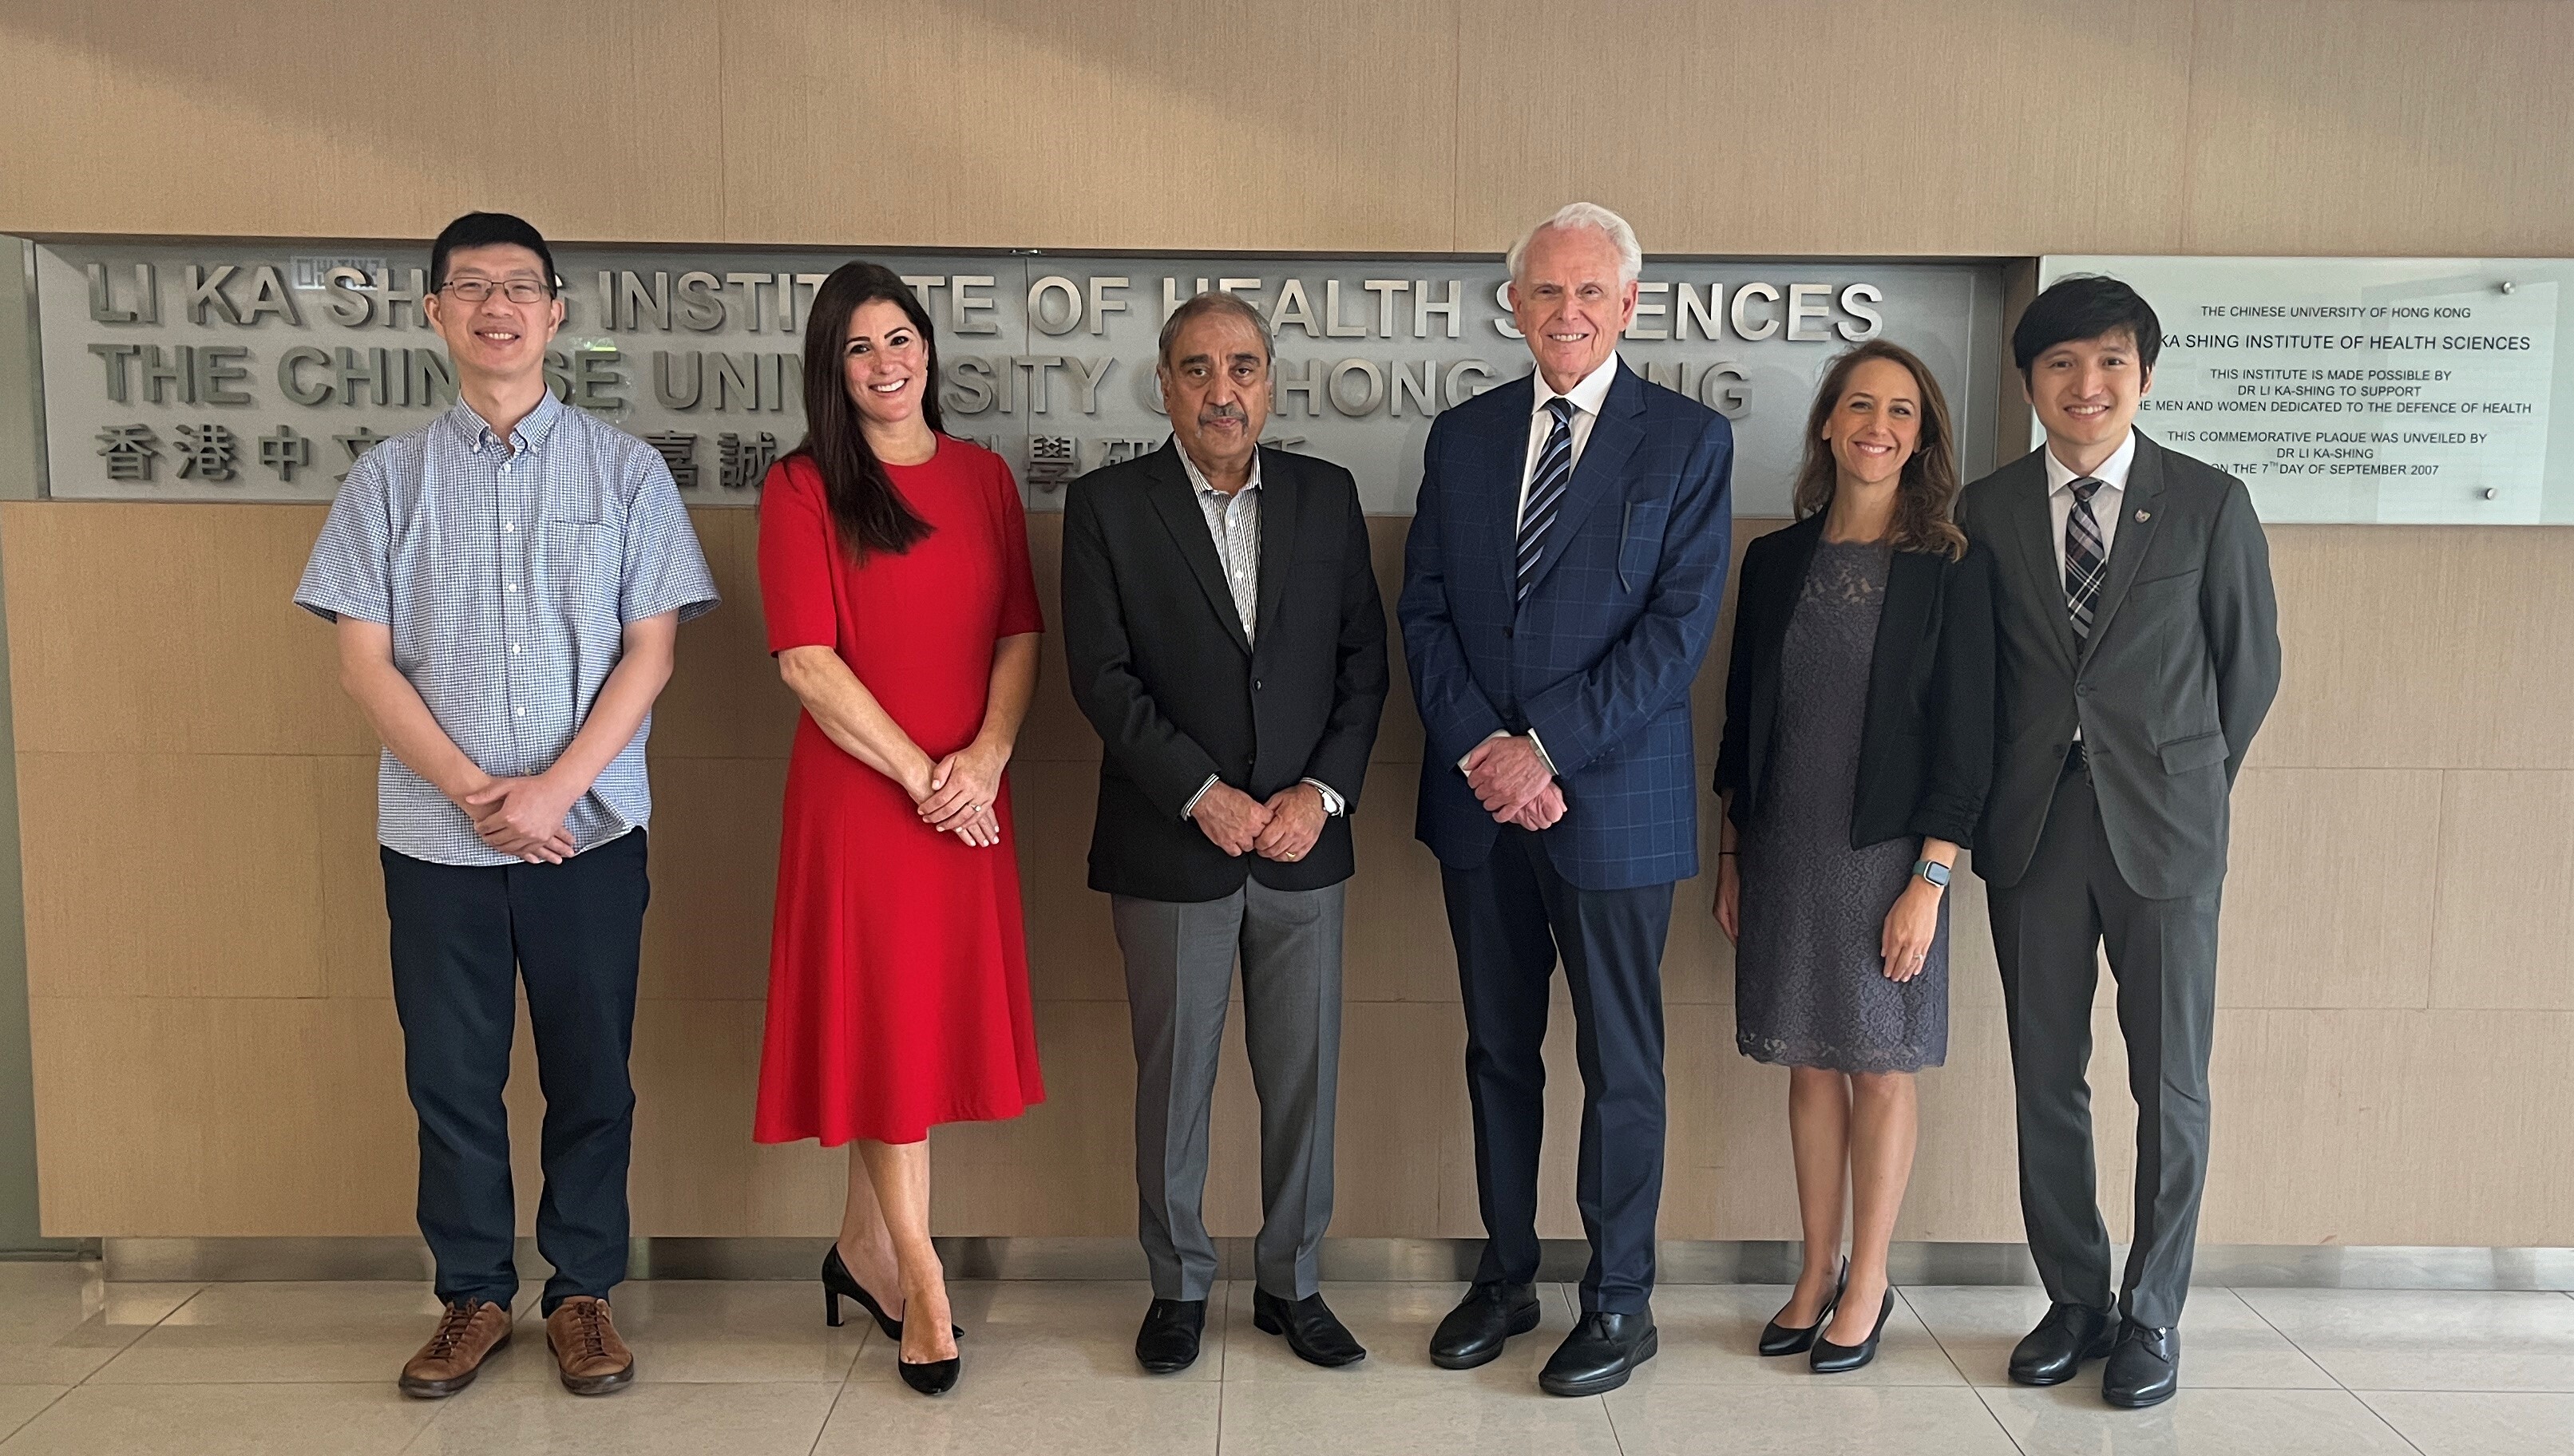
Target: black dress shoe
column 933, row 1377
column 2144, row 1369
column 1168, row 1342
column 838, row 1282
column 1603, row 1350
column 1473, row 1332
column 1315, row 1334
column 1780, row 1339
column 2069, row 1335
column 1831, row 1359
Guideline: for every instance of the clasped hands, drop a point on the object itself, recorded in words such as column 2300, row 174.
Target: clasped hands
column 524, row 816
column 957, row 793
column 1513, row 784
column 1285, row 827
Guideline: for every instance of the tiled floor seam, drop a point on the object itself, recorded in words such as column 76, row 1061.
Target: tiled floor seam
column 1911, row 1309
column 2339, row 1383
column 38, row 1414
column 833, row 1409
column 1985, row 1397
column 166, row 1316
column 1981, row 1399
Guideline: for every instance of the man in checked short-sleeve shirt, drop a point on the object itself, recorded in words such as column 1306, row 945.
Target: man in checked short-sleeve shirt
column 507, row 584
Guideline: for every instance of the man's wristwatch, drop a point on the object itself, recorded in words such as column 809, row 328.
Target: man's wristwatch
column 1932, row 871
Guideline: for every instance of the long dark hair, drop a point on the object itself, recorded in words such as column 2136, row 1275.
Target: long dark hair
column 867, row 510
column 1927, row 491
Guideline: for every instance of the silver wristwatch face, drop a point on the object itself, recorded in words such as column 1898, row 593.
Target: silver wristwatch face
column 1933, row 872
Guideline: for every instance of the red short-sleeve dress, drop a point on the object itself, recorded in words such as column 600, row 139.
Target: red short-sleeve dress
column 897, row 969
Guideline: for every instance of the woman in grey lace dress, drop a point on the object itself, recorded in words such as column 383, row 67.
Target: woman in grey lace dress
column 1859, row 742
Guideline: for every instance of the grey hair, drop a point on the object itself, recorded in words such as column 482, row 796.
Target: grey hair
column 1214, row 302
column 1631, row 254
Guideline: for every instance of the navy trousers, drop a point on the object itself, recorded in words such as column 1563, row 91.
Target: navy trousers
column 463, row 938
column 1511, row 919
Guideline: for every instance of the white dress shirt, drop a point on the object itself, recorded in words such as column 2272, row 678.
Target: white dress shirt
column 2107, row 503
column 1587, row 394
column 1233, row 524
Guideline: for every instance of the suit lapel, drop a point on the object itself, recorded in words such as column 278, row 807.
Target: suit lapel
column 1912, row 585
column 1614, row 437
column 1282, row 493
column 2034, row 530
column 1175, row 500
column 1504, row 462
column 2135, row 534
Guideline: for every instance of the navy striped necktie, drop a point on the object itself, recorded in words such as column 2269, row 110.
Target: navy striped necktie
column 1546, row 492
column 2086, row 562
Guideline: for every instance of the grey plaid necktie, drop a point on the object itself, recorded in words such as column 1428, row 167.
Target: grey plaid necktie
column 2086, row 562
column 1546, row 492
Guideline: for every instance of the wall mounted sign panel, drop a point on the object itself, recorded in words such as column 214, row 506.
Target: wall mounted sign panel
column 2411, row 390
column 226, row 372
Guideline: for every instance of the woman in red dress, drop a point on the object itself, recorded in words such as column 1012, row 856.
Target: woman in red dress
column 893, row 567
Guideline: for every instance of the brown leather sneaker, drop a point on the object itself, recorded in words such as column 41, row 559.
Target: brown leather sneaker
column 593, row 1360
column 466, row 1335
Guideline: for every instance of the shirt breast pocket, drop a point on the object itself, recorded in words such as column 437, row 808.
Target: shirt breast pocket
column 581, row 565
column 1640, row 540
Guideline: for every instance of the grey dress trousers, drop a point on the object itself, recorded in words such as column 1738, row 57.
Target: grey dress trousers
column 1179, row 975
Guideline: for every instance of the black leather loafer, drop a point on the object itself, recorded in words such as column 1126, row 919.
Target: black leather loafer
column 1315, row 1334
column 2069, row 1335
column 1474, row 1333
column 2145, row 1368
column 1168, row 1342
column 1603, row 1350
column 1831, row 1359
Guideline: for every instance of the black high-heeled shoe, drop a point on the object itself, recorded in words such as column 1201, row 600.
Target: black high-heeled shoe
column 1780, row 1339
column 937, row 1377
column 838, row 1282
column 1830, row 1359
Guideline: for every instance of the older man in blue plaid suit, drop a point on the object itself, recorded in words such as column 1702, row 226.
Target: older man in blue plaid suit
column 1561, row 583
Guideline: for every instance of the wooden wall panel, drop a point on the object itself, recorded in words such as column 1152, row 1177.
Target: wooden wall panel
column 222, row 1116
column 2505, row 898
column 111, row 663
column 314, row 118
column 2364, row 127
column 1757, row 129
column 2325, row 897
column 1973, row 128
column 167, row 876
column 1163, row 125
column 2436, row 647
column 2391, row 1127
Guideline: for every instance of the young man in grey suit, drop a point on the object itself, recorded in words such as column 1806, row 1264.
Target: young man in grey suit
column 2138, row 651
column 1224, row 633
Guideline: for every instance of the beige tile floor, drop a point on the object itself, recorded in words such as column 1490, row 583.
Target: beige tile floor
column 748, row 1369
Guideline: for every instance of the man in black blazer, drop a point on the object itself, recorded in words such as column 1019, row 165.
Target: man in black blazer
column 1221, row 620
column 2137, row 649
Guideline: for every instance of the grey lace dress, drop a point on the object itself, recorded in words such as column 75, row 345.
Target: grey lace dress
column 1809, row 987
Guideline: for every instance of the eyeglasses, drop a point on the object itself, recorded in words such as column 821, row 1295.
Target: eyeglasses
column 516, row 290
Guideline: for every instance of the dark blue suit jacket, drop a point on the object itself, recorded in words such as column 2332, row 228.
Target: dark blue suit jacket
column 1600, row 659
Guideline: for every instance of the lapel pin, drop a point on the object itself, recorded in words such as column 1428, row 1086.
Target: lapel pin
column 2145, row 514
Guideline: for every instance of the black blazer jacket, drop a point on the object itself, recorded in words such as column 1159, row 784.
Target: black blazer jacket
column 1927, row 747
column 1160, row 666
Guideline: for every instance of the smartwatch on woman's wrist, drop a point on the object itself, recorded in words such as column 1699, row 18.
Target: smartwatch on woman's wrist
column 1932, row 871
